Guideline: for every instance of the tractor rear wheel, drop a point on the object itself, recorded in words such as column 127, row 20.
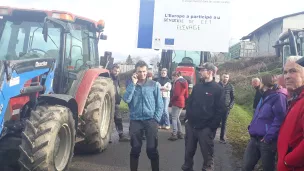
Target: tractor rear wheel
column 48, row 139
column 9, row 153
column 99, row 115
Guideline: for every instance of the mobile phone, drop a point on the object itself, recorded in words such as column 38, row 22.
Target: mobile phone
column 135, row 76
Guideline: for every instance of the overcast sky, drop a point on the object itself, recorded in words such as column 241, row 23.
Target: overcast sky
column 121, row 17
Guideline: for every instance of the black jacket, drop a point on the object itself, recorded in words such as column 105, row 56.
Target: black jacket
column 229, row 94
column 206, row 105
column 257, row 97
column 117, row 89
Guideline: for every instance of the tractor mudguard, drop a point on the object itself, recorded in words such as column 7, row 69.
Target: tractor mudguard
column 81, row 88
column 61, row 99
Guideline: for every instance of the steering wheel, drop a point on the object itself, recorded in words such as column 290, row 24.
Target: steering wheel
column 35, row 49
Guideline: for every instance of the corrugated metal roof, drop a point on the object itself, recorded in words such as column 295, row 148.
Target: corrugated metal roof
column 275, row 20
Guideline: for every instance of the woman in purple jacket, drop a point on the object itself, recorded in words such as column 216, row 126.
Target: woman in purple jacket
column 265, row 125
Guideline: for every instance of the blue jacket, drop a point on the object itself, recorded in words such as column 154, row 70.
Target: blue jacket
column 144, row 101
column 269, row 115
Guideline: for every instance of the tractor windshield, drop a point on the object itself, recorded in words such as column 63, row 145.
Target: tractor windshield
column 21, row 40
column 180, row 56
column 285, row 49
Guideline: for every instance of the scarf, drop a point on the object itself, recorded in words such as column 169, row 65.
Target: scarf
column 163, row 80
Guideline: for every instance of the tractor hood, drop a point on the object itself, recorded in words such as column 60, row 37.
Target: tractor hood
column 7, row 67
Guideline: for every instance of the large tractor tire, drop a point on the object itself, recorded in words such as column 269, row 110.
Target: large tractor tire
column 99, row 115
column 48, row 139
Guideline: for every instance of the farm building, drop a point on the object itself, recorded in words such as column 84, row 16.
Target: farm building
column 266, row 36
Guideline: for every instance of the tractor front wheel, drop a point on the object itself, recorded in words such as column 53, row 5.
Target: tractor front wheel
column 98, row 116
column 48, row 139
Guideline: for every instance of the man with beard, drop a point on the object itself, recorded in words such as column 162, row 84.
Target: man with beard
column 117, row 114
column 256, row 82
column 204, row 111
column 229, row 100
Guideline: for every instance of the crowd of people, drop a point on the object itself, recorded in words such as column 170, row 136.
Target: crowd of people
column 276, row 128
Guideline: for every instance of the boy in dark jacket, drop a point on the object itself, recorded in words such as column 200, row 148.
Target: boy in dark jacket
column 204, row 111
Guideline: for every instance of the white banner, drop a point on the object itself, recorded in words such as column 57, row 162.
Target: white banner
column 194, row 25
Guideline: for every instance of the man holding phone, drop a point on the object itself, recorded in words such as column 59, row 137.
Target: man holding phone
column 145, row 102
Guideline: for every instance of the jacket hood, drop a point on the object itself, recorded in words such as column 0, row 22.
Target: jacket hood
column 182, row 81
column 278, row 90
column 283, row 91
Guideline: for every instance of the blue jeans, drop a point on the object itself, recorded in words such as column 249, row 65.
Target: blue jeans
column 257, row 150
column 165, row 120
column 176, row 124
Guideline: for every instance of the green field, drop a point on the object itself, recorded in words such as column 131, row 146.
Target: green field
column 237, row 133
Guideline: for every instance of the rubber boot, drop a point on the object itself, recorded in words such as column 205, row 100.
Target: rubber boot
column 155, row 165
column 133, row 164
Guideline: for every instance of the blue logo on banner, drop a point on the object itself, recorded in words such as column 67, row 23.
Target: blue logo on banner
column 169, row 41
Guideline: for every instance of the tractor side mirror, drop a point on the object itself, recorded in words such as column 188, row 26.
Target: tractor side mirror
column 103, row 61
column 277, row 49
column 45, row 31
column 103, row 37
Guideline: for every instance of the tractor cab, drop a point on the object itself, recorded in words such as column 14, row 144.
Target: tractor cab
column 37, row 34
column 185, row 62
column 53, row 87
column 290, row 43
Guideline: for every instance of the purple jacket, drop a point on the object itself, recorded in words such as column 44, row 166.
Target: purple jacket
column 269, row 115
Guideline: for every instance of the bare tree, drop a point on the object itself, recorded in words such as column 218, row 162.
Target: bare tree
column 129, row 60
column 154, row 60
column 136, row 59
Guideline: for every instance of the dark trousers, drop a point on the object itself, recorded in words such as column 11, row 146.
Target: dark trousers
column 223, row 125
column 205, row 139
column 118, row 120
column 150, row 128
column 257, row 150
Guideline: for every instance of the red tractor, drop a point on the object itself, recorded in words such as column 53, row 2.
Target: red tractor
column 51, row 110
column 185, row 62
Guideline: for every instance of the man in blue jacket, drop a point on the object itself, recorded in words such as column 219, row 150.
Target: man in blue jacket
column 145, row 102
